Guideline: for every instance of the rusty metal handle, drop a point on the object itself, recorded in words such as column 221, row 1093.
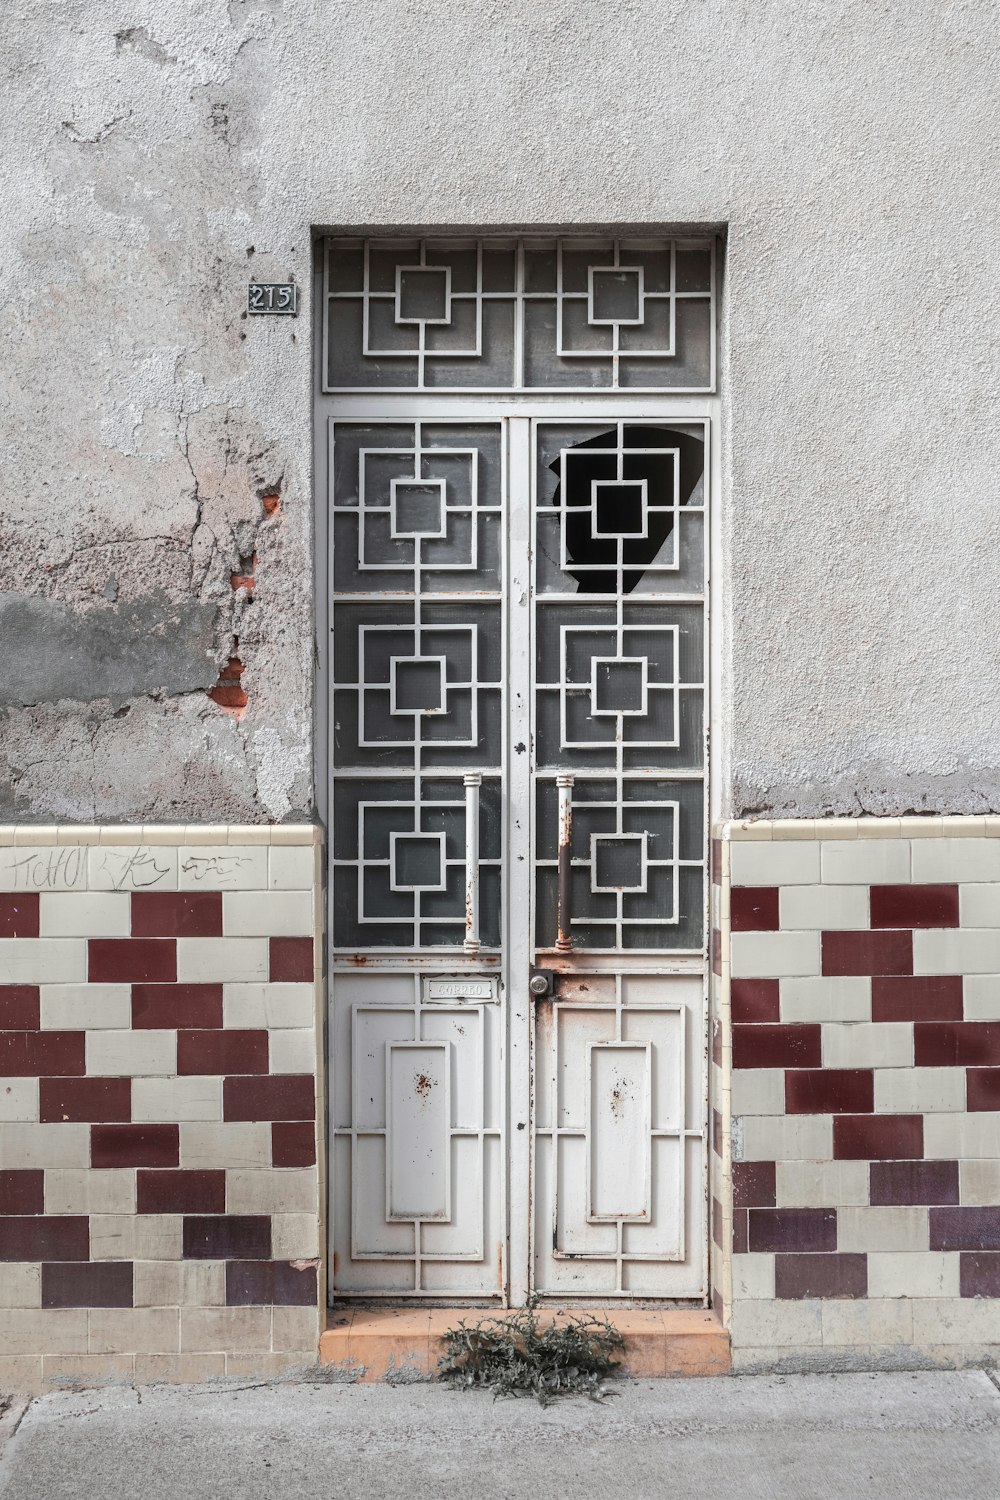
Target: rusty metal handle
column 564, row 915
column 473, row 781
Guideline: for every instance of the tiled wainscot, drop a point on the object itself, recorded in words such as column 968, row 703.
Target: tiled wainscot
column 856, row 1089
column 160, row 1199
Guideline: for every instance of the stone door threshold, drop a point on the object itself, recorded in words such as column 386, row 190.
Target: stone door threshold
column 404, row 1343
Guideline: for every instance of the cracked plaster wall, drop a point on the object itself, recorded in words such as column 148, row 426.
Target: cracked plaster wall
column 158, row 154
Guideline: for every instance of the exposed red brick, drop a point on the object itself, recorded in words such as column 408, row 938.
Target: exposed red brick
column 793, row 1229
column 222, row 1051
column 276, row 1096
column 280, row 1283
column 914, row 905
column 754, row 1184
column 956, row 1044
column 88, row 1099
column 754, row 1000
column 245, row 576
column 45, row 1237
column 920, row 997
column 877, row 1137
column 19, row 1007
column 176, row 914
column 22, row 1191
column 793, row 1046
column 227, row 692
column 98, row 1284
column 19, row 915
column 979, row 1275
column 837, row 1275
column 228, row 1237
column 867, row 953
column 291, row 960
column 293, row 1143
column 185, row 1192
column 913, row 1182
column 982, row 1089
column 27, row 1054
column 167, row 1007
column 965, row 1228
column 132, row 960
column 827, row 1091
column 270, row 504
column 753, row 908
column 134, row 1145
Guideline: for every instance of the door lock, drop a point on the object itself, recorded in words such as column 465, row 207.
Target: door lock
column 541, row 982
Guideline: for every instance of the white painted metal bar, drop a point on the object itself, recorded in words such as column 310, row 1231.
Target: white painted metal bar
column 473, row 781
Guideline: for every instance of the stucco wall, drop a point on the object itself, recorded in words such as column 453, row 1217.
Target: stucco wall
column 160, row 154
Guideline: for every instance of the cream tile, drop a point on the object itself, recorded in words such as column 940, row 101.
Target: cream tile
column 255, row 914
column 758, row 1091
column 786, row 1138
column 827, row 998
column 215, row 960
column 42, row 869
column 90, row 1191
column 773, row 955
column 932, row 1273
column 875, row 1320
column 132, row 867
column 294, row 1051
column 770, row 863
column 217, row 867
column 866, row 862
column 58, row 1145
column 276, row 1006
column 941, row 859
column 86, row 1007
column 873, row 1044
column 961, row 1135
column 292, row 867
column 18, row 1100
column 149, row 1330
column 821, row 1184
column 753, row 1276
column 229, row 1144
column 137, row 1054
column 883, row 1229
column 174, row 1099
column 136, row 1236
column 225, row 1328
column 979, row 1183
column 43, row 961
column 914, row 1091
column 827, row 908
column 85, row 914
column 21, row 1284
column 287, row 1190
column 957, row 950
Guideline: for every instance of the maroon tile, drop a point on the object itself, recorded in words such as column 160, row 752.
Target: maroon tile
column 877, row 1137
column 717, row 1133
column 753, row 1184
column 228, row 1237
column 262, row 1282
column 19, row 915
column 741, row 1243
column 716, row 861
column 293, row 1144
column 825, row 1091
column 291, row 959
column 222, row 1052
column 839, row 1275
column 717, row 952
column 777, row 1046
column 134, row 1145
column 867, row 953
column 965, row 1228
column 753, row 908
column 132, row 960
column 164, row 914
column 754, row 1000
column 19, row 1007
column 914, row 905
column 956, row 1044
column 982, row 1089
column 277, row 1096
column 26, row 1054
column 168, row 1007
column 45, row 1237
column 22, row 1191
column 793, row 1228
column 97, row 1284
column 89, row 1099
column 919, row 997
column 184, row 1192
column 979, row 1275
column 904, row 1182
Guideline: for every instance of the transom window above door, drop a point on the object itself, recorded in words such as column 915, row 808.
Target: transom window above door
column 635, row 314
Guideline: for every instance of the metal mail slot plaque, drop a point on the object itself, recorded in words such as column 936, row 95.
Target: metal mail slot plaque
column 484, row 988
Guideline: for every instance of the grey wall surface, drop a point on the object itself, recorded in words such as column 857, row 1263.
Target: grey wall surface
column 160, row 152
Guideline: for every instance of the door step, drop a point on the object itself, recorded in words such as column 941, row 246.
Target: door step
column 403, row 1344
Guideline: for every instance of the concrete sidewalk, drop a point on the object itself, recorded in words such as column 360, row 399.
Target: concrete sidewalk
column 927, row 1436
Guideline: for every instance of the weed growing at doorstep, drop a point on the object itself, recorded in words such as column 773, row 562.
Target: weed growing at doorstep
column 517, row 1355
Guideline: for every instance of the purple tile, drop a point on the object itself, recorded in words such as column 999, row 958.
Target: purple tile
column 838, row 1275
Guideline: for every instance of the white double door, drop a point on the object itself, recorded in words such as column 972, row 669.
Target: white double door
column 517, row 854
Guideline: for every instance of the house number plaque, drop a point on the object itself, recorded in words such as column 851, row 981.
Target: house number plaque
column 280, row 298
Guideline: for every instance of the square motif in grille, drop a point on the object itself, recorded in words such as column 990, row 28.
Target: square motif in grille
column 418, row 683
column 410, row 515
column 619, row 685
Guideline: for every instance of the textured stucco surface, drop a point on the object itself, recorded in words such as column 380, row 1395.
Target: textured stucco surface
column 158, row 154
